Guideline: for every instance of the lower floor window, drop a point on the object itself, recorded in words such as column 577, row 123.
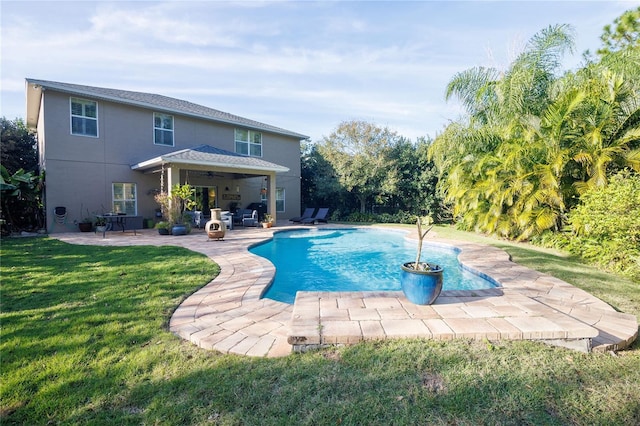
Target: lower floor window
column 280, row 199
column 124, row 198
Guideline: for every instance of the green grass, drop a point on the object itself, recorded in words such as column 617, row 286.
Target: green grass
column 621, row 293
column 85, row 341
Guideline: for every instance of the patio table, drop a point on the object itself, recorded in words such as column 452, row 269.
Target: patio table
column 117, row 220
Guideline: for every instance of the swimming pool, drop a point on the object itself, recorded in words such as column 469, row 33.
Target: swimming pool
column 352, row 260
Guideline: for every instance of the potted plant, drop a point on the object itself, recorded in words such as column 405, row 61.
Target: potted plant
column 85, row 225
column 174, row 206
column 164, row 228
column 267, row 221
column 101, row 224
column 421, row 281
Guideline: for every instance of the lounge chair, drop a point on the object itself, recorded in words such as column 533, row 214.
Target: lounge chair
column 308, row 212
column 321, row 216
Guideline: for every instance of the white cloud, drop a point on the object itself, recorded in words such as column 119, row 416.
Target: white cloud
column 299, row 65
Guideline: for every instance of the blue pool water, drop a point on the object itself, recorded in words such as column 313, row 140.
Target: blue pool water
column 352, row 260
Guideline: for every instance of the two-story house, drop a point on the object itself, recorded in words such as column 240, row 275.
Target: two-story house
column 108, row 150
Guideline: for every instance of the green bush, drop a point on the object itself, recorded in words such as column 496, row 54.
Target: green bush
column 606, row 226
column 401, row 216
column 361, row 217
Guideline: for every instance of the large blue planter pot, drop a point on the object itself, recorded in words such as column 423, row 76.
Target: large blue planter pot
column 421, row 287
column 179, row 229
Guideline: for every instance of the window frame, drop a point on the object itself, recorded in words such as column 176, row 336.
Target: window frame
column 249, row 143
column 124, row 200
column 156, row 129
column 280, row 191
column 84, row 117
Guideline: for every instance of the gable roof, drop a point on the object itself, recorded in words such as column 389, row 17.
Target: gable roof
column 147, row 100
column 207, row 155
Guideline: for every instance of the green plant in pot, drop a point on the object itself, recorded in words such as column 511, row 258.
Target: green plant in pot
column 164, row 228
column 267, row 221
column 101, row 224
column 175, row 204
column 421, row 281
column 85, row 225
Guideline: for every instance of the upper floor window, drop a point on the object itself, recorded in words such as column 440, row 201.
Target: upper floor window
column 248, row 142
column 162, row 129
column 84, row 117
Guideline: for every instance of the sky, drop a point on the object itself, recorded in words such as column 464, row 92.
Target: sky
column 303, row 66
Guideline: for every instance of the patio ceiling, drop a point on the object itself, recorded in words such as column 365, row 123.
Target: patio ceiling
column 206, row 157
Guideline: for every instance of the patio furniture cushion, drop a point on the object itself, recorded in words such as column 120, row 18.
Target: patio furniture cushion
column 308, row 212
column 321, row 216
column 251, row 220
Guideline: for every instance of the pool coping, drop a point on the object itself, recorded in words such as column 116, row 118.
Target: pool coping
column 228, row 314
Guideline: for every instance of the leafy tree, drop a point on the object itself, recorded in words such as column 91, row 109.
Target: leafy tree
column 494, row 96
column 607, row 126
column 17, row 146
column 533, row 142
column 417, row 180
column 625, row 33
column 360, row 155
column 21, row 203
column 488, row 163
column 319, row 186
column 363, row 163
column 21, row 184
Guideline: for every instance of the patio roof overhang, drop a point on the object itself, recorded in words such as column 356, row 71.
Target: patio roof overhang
column 209, row 157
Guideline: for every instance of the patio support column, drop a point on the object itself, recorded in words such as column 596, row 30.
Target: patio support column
column 272, row 195
column 173, row 177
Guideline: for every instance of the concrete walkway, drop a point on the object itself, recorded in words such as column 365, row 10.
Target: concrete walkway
column 228, row 315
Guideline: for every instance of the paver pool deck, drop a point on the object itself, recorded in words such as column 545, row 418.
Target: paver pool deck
column 229, row 316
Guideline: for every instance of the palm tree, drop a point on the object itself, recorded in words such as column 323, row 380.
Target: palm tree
column 490, row 176
column 534, row 141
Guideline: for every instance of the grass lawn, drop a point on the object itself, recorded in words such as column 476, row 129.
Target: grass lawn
column 84, row 341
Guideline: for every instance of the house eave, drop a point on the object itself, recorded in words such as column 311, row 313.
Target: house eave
column 157, row 162
column 79, row 92
column 33, row 101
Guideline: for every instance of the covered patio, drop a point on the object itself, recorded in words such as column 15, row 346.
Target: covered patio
column 222, row 178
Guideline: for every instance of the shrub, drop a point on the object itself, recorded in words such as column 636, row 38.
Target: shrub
column 400, row 216
column 362, row 217
column 606, row 225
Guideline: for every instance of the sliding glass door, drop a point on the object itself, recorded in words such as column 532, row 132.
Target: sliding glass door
column 206, row 198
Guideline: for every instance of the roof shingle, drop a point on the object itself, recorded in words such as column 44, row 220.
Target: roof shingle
column 211, row 156
column 165, row 103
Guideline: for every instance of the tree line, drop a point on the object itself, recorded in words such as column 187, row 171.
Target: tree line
column 367, row 173
column 535, row 143
column 21, row 183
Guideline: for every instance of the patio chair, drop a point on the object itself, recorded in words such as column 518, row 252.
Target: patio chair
column 251, row 220
column 59, row 217
column 227, row 218
column 60, row 214
column 308, row 212
column 197, row 218
column 321, row 216
column 240, row 214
